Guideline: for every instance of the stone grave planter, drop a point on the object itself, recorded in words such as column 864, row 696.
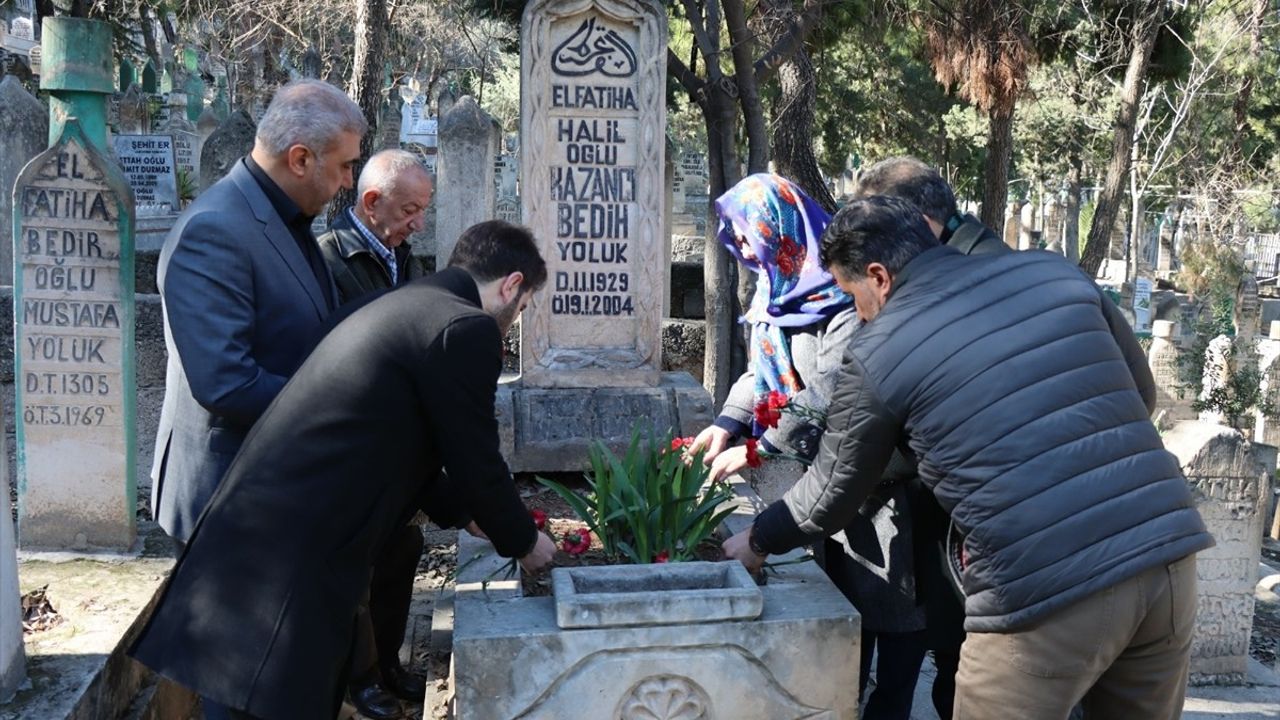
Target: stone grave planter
column 681, row 640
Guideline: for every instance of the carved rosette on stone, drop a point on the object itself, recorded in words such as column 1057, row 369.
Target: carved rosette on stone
column 73, row 365
column 592, row 124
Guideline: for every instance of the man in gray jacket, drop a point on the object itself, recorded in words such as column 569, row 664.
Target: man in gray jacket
column 1004, row 379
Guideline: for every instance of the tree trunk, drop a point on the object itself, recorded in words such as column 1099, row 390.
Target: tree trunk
column 1240, row 107
column 995, row 171
column 1146, row 26
column 1071, row 228
column 793, row 111
column 721, row 364
column 366, row 84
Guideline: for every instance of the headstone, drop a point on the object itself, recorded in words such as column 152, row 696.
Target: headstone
column 23, row 28
column 207, row 124
column 311, row 63
column 194, row 89
column 465, row 192
column 221, row 108
column 35, row 58
column 26, row 134
column 416, row 124
column 159, row 112
column 148, row 164
column 1142, row 305
column 1026, row 226
column 186, row 145
column 1173, row 403
column 128, row 76
column 230, row 142
column 1247, row 320
column 1217, row 371
column 73, row 300
column 135, row 112
column 1230, row 490
column 12, row 655
column 593, row 120
column 1267, row 429
column 166, row 82
column 150, row 78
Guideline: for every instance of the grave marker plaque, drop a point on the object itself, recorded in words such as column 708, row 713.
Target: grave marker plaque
column 148, row 164
column 73, row 230
column 593, row 122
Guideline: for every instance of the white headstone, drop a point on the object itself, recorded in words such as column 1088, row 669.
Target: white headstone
column 593, row 122
column 148, row 164
column 22, row 28
column 12, row 656
column 186, row 139
column 74, row 371
column 1142, row 305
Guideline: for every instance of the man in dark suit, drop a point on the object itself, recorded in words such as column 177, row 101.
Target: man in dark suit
column 246, row 292
column 258, row 613
column 367, row 251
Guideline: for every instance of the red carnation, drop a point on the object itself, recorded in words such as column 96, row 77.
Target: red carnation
column 576, row 542
column 753, row 456
column 539, row 519
column 661, row 557
column 767, row 415
column 677, row 443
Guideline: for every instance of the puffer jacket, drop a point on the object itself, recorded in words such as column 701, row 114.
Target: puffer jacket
column 1003, row 375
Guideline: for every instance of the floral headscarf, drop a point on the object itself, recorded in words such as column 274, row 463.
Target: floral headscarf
column 782, row 226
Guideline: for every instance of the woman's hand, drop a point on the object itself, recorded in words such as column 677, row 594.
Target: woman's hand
column 714, row 440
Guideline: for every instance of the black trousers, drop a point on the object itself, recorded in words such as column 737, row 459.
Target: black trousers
column 898, row 657
column 384, row 616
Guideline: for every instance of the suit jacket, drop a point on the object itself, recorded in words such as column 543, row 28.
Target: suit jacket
column 356, row 270
column 258, row 613
column 242, row 308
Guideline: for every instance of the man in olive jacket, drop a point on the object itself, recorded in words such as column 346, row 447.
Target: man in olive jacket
column 258, row 614
column 367, row 246
column 1002, row 377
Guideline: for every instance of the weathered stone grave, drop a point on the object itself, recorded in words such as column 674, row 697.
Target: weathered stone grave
column 1230, row 488
column 592, row 190
column 1173, row 403
column 148, row 164
column 465, row 192
column 230, row 142
column 186, row 142
column 73, row 301
column 135, row 112
column 634, row 642
column 26, row 134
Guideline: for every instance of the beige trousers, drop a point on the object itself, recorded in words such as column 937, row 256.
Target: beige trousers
column 1123, row 651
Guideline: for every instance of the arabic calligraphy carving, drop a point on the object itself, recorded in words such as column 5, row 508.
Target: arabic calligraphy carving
column 594, row 48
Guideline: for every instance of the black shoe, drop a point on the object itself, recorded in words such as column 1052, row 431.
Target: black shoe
column 402, row 683
column 375, row 703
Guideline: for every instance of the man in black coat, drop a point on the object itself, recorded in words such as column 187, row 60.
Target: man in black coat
column 258, row 614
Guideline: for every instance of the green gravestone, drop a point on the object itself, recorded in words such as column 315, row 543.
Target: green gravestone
column 128, row 75
column 74, row 312
column 150, row 78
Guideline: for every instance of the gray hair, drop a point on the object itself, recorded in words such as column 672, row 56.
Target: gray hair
column 386, row 168
column 311, row 113
column 907, row 178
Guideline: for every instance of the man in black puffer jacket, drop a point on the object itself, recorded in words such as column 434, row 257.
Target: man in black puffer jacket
column 1001, row 375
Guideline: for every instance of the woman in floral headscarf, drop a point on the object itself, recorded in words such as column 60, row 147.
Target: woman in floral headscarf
column 801, row 323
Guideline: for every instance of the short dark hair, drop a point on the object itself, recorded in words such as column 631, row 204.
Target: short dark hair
column 495, row 248
column 908, row 178
column 880, row 229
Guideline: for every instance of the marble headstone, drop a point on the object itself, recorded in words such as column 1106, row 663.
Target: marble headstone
column 74, row 370
column 148, row 164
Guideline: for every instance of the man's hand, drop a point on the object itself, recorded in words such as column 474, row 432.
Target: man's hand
column 475, row 530
column 728, row 463
column 714, row 439
column 738, row 548
column 540, row 556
